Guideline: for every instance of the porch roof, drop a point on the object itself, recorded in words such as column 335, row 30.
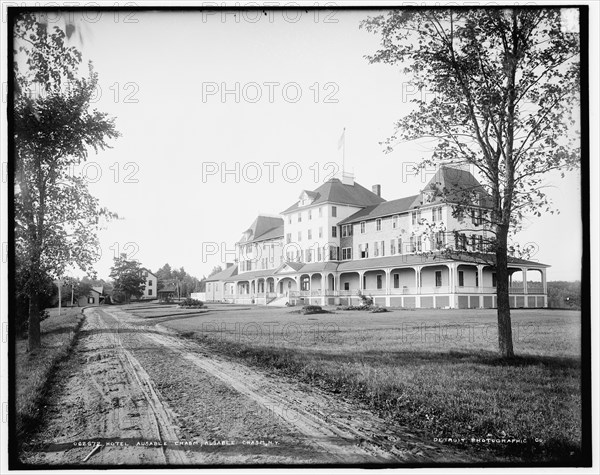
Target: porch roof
column 257, row 274
column 415, row 260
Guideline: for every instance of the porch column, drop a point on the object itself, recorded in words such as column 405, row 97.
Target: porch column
column 524, row 269
column 544, row 286
column 480, row 283
column 418, row 279
column 388, row 287
column 452, row 279
column 360, row 280
column 324, row 285
column 479, row 277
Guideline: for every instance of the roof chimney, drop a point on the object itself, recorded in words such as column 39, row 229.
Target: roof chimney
column 347, row 178
column 376, row 189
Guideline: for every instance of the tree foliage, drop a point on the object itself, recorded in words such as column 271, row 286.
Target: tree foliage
column 128, row 277
column 179, row 278
column 498, row 90
column 55, row 127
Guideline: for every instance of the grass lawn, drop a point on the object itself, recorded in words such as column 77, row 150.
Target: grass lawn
column 436, row 371
column 34, row 370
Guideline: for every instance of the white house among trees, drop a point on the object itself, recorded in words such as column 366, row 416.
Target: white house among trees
column 342, row 240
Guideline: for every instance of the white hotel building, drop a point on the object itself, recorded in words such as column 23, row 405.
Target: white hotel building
column 342, row 240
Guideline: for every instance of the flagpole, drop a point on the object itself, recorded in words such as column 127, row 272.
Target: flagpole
column 343, row 151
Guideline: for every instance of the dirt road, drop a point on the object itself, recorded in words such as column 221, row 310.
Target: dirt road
column 143, row 395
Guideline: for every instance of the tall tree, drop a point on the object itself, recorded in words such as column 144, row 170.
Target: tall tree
column 128, row 277
column 497, row 90
column 56, row 218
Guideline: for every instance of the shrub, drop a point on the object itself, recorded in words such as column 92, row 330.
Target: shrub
column 191, row 303
column 310, row 309
column 366, row 300
column 379, row 310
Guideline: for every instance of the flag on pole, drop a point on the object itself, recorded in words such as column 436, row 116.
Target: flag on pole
column 342, row 139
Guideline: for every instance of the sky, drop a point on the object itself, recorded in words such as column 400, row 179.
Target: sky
column 223, row 117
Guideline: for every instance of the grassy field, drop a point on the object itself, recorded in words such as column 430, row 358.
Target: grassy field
column 34, row 369
column 434, row 371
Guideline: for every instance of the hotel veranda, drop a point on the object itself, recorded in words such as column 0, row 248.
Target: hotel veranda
column 342, row 241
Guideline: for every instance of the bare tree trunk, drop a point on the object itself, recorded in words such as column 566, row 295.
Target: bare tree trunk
column 34, row 339
column 505, row 342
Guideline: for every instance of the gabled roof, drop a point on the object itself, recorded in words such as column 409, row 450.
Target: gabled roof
column 294, row 265
column 334, row 191
column 98, row 289
column 224, row 274
column 261, row 225
column 170, row 287
column 387, row 208
column 271, row 234
column 149, row 271
column 450, row 184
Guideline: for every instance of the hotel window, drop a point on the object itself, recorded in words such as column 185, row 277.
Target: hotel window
column 438, row 278
column 346, row 285
column 378, row 224
column 379, row 281
column 464, row 241
column 346, row 253
column 90, row 299
column 149, row 291
column 149, row 283
column 299, row 236
column 481, row 243
column 413, row 248
column 393, row 247
column 416, row 217
column 309, row 214
column 376, row 249
column 396, row 281
column 333, row 253
column 334, row 211
column 383, row 248
column 400, row 246
column 346, row 230
column 363, row 225
column 288, row 238
column 320, row 211
column 333, row 231
column 419, row 249
column 321, row 232
column 439, row 240
column 289, row 219
column 494, row 282
column 364, row 251
column 319, row 254
column 461, row 278
column 300, row 217
column 395, row 222
column 310, row 234
column 473, row 242
column 308, row 254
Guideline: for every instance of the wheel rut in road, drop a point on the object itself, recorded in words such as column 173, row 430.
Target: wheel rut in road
column 149, row 396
